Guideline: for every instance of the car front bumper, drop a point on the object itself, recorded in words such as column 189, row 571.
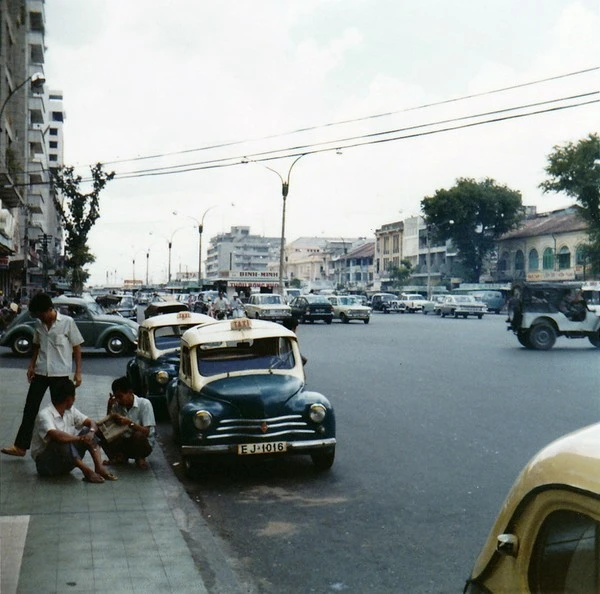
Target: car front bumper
column 292, row 447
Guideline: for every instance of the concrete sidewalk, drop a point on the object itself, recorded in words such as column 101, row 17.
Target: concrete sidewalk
column 138, row 534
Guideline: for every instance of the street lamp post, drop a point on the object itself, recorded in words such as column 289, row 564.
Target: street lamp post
column 285, row 187
column 170, row 244
column 37, row 80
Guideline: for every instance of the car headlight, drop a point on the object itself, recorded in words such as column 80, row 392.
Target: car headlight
column 202, row 420
column 317, row 413
column 162, row 377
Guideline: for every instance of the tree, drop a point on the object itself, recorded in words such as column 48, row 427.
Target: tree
column 574, row 170
column 78, row 213
column 473, row 215
column 400, row 274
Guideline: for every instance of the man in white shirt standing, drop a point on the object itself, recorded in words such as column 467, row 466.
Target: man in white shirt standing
column 62, row 435
column 56, row 342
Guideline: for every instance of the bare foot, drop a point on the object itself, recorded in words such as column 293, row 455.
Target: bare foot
column 92, row 477
column 142, row 463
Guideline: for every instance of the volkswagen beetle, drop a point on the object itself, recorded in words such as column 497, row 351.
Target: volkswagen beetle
column 241, row 390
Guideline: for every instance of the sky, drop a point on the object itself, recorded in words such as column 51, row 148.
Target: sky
column 363, row 88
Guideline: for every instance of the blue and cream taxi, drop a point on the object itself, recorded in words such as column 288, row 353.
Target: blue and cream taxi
column 241, row 390
column 156, row 360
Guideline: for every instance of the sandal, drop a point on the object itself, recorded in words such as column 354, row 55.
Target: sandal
column 13, row 450
column 109, row 476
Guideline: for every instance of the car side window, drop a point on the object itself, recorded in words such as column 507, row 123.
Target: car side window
column 185, row 363
column 566, row 554
column 77, row 312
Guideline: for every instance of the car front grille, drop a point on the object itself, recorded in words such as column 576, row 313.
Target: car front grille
column 261, row 428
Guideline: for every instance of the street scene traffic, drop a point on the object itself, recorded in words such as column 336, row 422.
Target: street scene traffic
column 299, row 297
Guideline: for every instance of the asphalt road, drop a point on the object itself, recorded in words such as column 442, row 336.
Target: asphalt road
column 435, row 419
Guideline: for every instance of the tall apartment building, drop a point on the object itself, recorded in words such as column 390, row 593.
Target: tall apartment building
column 239, row 251
column 29, row 229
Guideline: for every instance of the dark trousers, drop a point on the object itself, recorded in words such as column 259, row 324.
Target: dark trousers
column 136, row 447
column 60, row 458
column 37, row 388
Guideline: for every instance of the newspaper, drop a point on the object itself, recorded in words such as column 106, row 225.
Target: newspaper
column 110, row 429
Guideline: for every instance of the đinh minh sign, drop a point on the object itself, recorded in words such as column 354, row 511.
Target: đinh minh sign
column 250, row 278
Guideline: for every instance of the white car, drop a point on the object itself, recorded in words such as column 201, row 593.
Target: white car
column 462, row 306
column 347, row 308
column 413, row 302
column 267, row 306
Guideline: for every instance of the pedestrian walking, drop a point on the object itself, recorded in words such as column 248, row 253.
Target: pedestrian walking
column 56, row 342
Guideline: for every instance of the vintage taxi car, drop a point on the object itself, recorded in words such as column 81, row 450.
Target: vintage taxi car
column 156, row 360
column 241, row 391
column 547, row 535
column 347, row 308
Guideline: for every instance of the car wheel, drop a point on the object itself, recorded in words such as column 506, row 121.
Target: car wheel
column 366, row 320
column 595, row 340
column 191, row 466
column 329, row 320
column 22, row 344
column 443, row 314
column 455, row 315
column 479, row 316
column 323, row 459
column 344, row 318
column 542, row 336
column 424, row 312
column 116, row 345
column 523, row 338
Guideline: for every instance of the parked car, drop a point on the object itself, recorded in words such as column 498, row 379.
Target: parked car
column 540, row 312
column 267, row 306
column 546, row 536
column 347, row 308
column 437, row 301
column 413, row 302
column 112, row 332
column 241, row 391
column 462, row 305
column 312, row 308
column 156, row 360
column 378, row 300
column 494, row 300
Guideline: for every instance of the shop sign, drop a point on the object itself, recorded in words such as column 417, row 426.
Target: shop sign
column 551, row 275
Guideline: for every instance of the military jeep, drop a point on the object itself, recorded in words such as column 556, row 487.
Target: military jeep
column 540, row 312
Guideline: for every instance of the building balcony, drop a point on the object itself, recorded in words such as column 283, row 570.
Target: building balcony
column 10, row 195
column 37, row 109
column 35, row 203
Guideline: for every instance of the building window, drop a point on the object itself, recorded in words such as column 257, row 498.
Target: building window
column 534, row 260
column 57, row 116
column 548, row 259
column 53, row 144
column 386, row 245
column 53, row 131
column 53, row 157
column 503, row 262
column 564, row 258
column 580, row 256
column 396, row 244
column 519, row 260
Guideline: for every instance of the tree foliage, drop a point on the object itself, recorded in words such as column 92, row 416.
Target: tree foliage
column 473, row 215
column 400, row 274
column 78, row 212
column 574, row 170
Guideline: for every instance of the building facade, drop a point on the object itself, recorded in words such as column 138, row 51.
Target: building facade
column 547, row 247
column 30, row 233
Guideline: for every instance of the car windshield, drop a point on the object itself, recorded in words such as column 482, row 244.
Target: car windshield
column 245, row 355
column 95, row 308
column 317, row 299
column 169, row 337
column 464, row 299
column 269, row 299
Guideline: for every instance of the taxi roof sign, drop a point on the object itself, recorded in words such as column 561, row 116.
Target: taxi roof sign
column 240, row 324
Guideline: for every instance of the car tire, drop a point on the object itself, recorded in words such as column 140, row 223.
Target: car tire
column 480, row 316
column 329, row 320
column 116, row 345
column 595, row 340
column 323, row 459
column 191, row 466
column 455, row 315
column 22, row 344
column 443, row 314
column 366, row 321
column 523, row 338
column 344, row 318
column 542, row 336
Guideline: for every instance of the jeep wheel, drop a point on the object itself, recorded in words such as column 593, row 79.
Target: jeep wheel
column 22, row 345
column 522, row 337
column 542, row 336
column 595, row 340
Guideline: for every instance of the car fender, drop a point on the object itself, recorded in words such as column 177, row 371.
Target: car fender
column 7, row 337
column 113, row 330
